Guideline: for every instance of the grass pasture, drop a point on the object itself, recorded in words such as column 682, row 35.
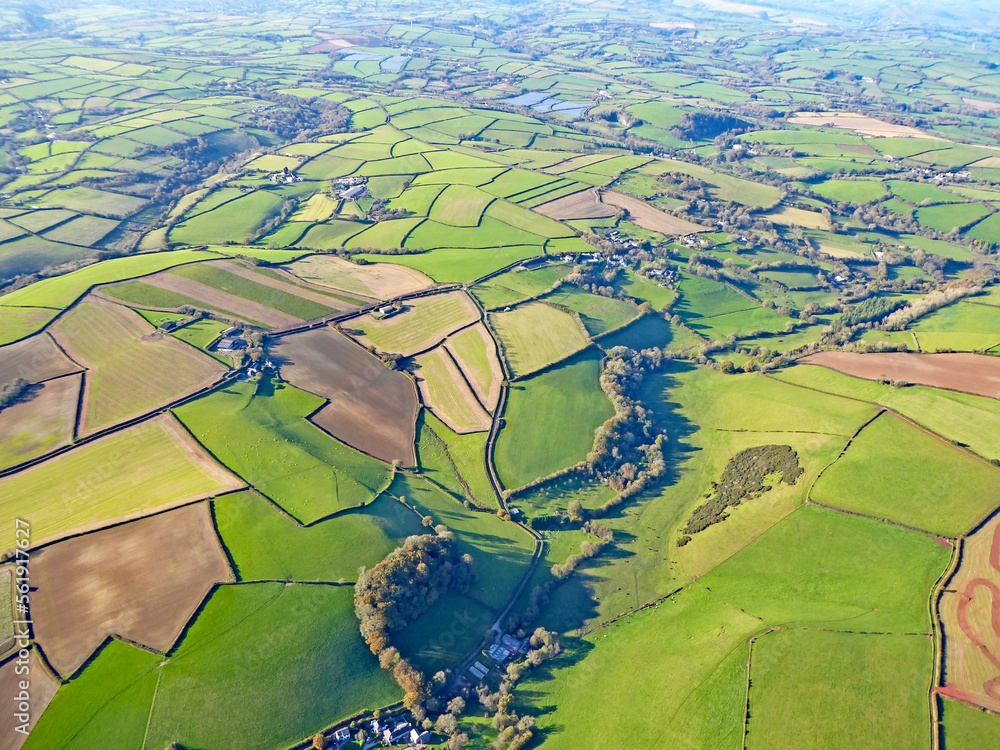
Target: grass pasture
column 896, row 471
column 454, row 461
column 967, row 728
column 515, row 286
column 599, row 314
column 260, row 431
column 258, row 537
column 305, row 638
column 574, row 404
column 152, row 466
column 806, row 688
column 825, row 569
column 692, row 684
column 536, row 335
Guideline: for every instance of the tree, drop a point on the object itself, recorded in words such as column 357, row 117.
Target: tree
column 458, row 741
column 446, row 724
column 319, row 741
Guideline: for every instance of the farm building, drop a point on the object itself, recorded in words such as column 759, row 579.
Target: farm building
column 231, row 344
column 386, row 311
column 498, row 653
column 352, row 192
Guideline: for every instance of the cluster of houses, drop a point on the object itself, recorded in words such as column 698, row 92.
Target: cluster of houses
column 589, row 259
column 399, row 732
column 285, row 177
column 662, row 276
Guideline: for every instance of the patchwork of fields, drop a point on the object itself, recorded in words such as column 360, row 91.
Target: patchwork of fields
column 675, row 326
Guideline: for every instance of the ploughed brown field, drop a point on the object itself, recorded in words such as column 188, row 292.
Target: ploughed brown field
column 375, row 280
column 127, row 580
column 582, row 205
column 372, row 408
column 972, row 373
column 34, row 359
column 648, row 217
column 859, row 124
column 970, row 613
column 41, row 420
column 42, row 689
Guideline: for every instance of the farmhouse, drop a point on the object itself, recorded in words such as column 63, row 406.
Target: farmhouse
column 342, row 735
column 419, row 736
column 386, row 311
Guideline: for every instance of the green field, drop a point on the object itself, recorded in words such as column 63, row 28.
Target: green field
column 259, row 430
column 259, row 537
column 500, row 549
column 304, row 638
column 454, row 461
column 967, row 728
column 132, row 472
column 278, row 299
column 599, row 314
column 896, row 471
column 806, row 688
column 230, row 222
column 826, row 569
column 100, row 706
column 535, row 335
column 574, row 406
column 514, row 286
column 690, row 687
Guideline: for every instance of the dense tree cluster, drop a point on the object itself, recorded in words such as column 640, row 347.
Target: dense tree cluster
column 695, row 126
column 743, row 479
column 870, row 310
column 402, row 587
column 628, row 447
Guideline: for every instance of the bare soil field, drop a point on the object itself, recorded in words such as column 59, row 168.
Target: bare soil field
column 859, row 124
column 241, row 270
column 372, row 408
column 446, row 393
column 238, row 307
column 43, row 688
column 131, row 367
column 971, row 373
column 981, row 104
column 375, row 280
column 648, row 217
column 582, row 205
column 474, row 350
column 577, row 162
column 34, row 359
column 42, row 420
column 128, row 581
column 970, row 613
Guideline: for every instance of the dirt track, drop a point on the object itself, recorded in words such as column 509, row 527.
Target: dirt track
column 971, row 373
